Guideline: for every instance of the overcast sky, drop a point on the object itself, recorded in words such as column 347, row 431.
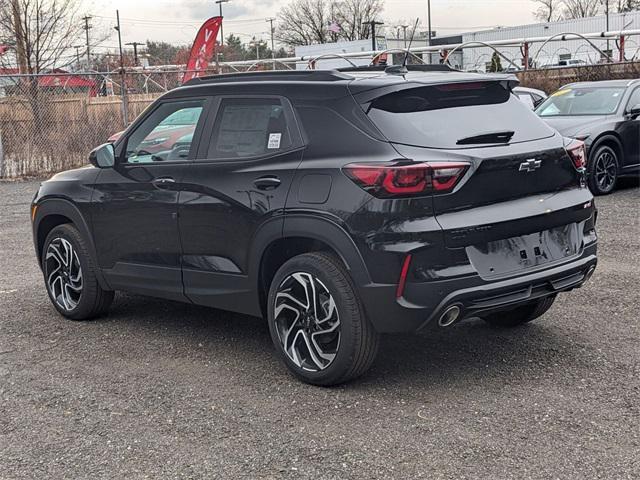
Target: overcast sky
column 177, row 21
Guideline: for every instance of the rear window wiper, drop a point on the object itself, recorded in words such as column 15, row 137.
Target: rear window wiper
column 484, row 138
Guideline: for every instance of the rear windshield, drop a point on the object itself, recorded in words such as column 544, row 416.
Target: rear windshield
column 582, row 101
column 455, row 116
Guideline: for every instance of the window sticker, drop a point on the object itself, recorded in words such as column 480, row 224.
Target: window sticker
column 274, row 141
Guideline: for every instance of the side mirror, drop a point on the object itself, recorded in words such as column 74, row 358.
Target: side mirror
column 103, row 157
column 634, row 111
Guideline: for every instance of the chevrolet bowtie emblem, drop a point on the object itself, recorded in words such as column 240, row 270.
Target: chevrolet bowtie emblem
column 530, row 165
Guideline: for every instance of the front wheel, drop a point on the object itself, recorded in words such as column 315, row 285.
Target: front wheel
column 520, row 315
column 603, row 171
column 70, row 275
column 317, row 322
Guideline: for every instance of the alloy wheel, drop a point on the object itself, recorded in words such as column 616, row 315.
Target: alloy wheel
column 64, row 273
column 307, row 322
column 605, row 171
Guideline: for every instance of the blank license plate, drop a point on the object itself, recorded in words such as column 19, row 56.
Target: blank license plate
column 511, row 255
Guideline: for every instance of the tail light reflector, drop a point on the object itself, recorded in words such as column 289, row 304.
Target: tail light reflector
column 386, row 180
column 578, row 153
column 403, row 276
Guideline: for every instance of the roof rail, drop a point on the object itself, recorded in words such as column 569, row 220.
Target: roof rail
column 272, row 75
column 411, row 68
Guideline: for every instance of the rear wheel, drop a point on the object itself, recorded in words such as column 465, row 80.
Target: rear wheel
column 70, row 275
column 603, row 171
column 317, row 322
column 521, row 315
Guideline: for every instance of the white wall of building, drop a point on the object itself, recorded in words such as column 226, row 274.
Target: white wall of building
column 476, row 58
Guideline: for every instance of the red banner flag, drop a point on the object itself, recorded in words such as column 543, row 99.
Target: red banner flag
column 203, row 49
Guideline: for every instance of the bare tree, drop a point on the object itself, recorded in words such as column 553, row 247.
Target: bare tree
column 548, row 10
column 351, row 14
column 305, row 22
column 581, row 8
column 42, row 32
column 627, row 5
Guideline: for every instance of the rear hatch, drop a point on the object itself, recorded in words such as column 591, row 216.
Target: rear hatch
column 520, row 203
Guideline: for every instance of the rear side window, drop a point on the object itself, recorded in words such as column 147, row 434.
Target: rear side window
column 446, row 116
column 249, row 127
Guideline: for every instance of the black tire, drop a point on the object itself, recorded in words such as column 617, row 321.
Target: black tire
column 357, row 342
column 521, row 315
column 603, row 170
column 91, row 301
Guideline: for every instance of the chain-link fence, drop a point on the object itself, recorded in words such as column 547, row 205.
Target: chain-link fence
column 50, row 122
column 551, row 79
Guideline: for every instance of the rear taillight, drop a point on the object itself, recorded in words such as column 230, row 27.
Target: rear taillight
column 406, row 180
column 578, row 153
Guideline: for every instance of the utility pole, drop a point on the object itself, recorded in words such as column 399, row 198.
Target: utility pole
column 123, row 86
column 273, row 45
column 606, row 6
column 78, row 47
column 135, row 51
column 220, row 2
column 429, row 28
column 21, row 54
column 257, row 44
column 86, row 28
column 372, row 24
column 404, row 34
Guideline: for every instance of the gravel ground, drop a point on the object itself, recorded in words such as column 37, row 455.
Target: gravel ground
column 165, row 390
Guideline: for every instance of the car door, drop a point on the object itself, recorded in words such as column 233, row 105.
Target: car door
column 630, row 133
column 234, row 195
column 135, row 203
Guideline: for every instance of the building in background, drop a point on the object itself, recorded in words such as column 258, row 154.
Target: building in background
column 554, row 53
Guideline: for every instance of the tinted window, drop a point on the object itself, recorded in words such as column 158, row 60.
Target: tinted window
column 582, row 101
column 249, row 128
column 442, row 115
column 166, row 135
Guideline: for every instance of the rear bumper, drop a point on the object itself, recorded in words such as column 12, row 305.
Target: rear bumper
column 424, row 303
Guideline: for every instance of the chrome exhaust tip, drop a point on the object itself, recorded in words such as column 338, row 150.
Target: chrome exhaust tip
column 449, row 316
column 589, row 273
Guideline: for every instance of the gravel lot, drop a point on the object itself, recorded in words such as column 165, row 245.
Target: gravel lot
column 165, row 390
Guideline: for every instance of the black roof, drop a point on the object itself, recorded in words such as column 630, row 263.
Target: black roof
column 364, row 77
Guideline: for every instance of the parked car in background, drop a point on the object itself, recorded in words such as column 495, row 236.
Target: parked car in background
column 606, row 117
column 168, row 132
column 337, row 205
column 530, row 96
column 572, row 62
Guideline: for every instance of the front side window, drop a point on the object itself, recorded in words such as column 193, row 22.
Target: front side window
column 166, row 135
column 249, row 127
column 634, row 100
column 582, row 101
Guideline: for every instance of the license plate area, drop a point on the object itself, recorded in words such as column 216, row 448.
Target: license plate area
column 513, row 255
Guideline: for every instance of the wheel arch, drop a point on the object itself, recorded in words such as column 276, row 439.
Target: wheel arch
column 304, row 234
column 58, row 211
column 611, row 140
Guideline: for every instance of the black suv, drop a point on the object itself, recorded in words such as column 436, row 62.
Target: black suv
column 338, row 205
column 606, row 116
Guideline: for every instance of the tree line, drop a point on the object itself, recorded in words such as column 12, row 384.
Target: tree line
column 556, row 10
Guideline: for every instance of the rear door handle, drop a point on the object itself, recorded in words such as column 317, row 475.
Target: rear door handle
column 269, row 182
column 163, row 182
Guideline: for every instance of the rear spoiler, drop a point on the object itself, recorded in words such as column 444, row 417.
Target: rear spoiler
column 365, row 93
